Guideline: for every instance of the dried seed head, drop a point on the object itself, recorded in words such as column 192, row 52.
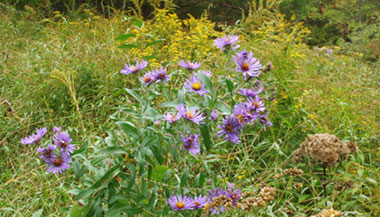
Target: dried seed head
column 293, row 172
column 267, row 193
column 278, row 176
column 343, row 185
column 328, row 213
column 298, row 185
column 324, row 148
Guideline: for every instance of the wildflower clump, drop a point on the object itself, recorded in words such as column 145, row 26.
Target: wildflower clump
column 57, row 156
column 324, row 148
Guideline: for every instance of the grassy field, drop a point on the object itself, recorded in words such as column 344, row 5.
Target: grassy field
column 58, row 72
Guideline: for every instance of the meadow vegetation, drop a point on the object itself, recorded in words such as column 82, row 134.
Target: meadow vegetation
column 64, row 70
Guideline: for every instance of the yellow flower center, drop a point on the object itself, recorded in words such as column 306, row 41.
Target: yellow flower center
column 180, row 205
column 173, row 117
column 245, row 66
column 189, row 115
column 197, row 86
column 240, row 117
column 36, row 137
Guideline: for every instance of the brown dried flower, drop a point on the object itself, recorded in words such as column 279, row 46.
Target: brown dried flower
column 250, row 199
column 342, row 185
column 328, row 213
column 293, row 172
column 324, row 148
column 218, row 201
column 278, row 176
column 298, row 185
column 267, row 193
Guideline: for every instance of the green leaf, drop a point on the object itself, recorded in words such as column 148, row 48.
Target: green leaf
column 206, row 136
column 154, row 42
column 159, row 172
column 181, row 97
column 38, row 213
column 207, row 82
column 110, row 141
column 133, row 211
column 149, row 57
column 157, row 154
column 202, row 178
column 230, row 85
column 79, row 211
column 134, row 94
column 184, row 176
column 123, row 37
column 113, row 212
column 109, row 174
column 129, row 128
column 114, row 150
column 137, row 22
column 127, row 46
column 78, row 170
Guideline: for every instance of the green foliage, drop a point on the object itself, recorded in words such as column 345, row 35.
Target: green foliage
column 332, row 21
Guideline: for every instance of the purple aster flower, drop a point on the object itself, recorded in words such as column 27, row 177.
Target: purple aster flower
column 246, row 63
column 256, row 104
column 191, row 144
column 195, row 85
column 59, row 164
column 62, row 140
column 227, row 42
column 34, row 137
column 147, row 78
column 250, row 92
column 229, row 129
column 47, row 153
column 265, row 121
column 189, row 65
column 128, row 69
column 190, row 114
column 57, row 129
column 160, row 75
column 241, row 112
column 214, row 115
column 235, row 195
column 200, row 201
column 172, row 118
column 179, row 203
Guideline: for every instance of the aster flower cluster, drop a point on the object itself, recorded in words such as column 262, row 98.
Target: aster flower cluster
column 191, row 114
column 244, row 113
column 179, row 203
column 157, row 75
column 58, row 155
